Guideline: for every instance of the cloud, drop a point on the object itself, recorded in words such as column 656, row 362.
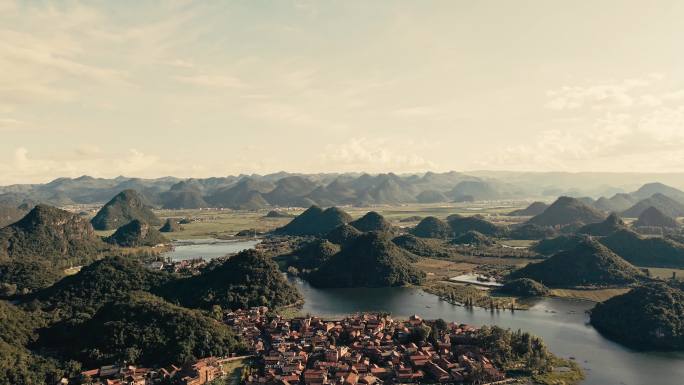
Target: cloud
column 600, row 96
column 374, row 155
column 212, row 81
column 614, row 127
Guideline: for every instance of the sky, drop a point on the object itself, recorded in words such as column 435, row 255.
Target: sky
column 197, row 89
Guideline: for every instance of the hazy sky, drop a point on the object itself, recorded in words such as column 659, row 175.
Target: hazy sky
column 224, row 87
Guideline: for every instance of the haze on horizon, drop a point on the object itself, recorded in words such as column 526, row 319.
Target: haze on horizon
column 205, row 89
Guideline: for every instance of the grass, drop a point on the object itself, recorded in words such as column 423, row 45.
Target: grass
column 458, row 294
column 440, row 269
column 665, row 273
column 225, row 223
column 596, row 295
column 220, row 223
column 566, row 372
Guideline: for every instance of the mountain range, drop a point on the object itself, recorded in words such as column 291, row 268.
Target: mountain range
column 252, row 192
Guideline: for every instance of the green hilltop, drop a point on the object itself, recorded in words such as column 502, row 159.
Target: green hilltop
column 126, row 206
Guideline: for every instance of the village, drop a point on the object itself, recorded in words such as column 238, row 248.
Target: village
column 368, row 349
column 360, row 349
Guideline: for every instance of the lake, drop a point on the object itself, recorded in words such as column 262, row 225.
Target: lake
column 208, row 248
column 563, row 323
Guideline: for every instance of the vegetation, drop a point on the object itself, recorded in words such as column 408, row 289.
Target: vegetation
column 514, row 349
column 136, row 234
column 663, row 203
column 372, row 221
column 652, row 217
column 126, row 206
column 342, row 234
column 431, row 227
column 371, row 260
column 641, row 251
column 171, row 226
column 533, row 209
column 460, row 225
column 18, row 365
column 649, row 317
column 469, row 295
column 34, row 250
column 612, row 224
column 556, row 245
column 141, row 328
column 242, row 281
column 525, row 287
column 277, row 214
column 310, row 255
column 565, row 211
column 108, row 280
column 473, row 238
column 424, row 247
column 315, row 221
column 587, row 264
column 532, row 231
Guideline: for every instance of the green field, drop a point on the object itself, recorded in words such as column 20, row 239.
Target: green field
column 224, row 223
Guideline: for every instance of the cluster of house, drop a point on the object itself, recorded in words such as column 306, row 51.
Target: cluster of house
column 366, row 349
column 200, row 372
column 189, row 266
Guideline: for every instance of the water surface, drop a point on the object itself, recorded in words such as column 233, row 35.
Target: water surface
column 208, row 248
column 562, row 323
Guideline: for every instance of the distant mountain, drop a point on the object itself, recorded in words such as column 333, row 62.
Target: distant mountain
column 171, row 226
column 609, row 226
column 183, row 195
column 663, row 203
column 652, row 217
column 35, row 250
column 431, row 227
column 371, row 260
column 11, row 212
column 389, row 192
column 315, row 221
column 289, row 190
column 371, row 221
column 657, row 309
column 461, row 225
column 617, row 203
column 336, row 193
column 650, row 189
column 587, row 264
column 136, row 234
column 533, row 209
column 565, row 211
column 247, row 194
column 431, row 196
column 126, row 206
column 245, row 280
column 647, row 252
column 483, row 190
column 477, row 189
